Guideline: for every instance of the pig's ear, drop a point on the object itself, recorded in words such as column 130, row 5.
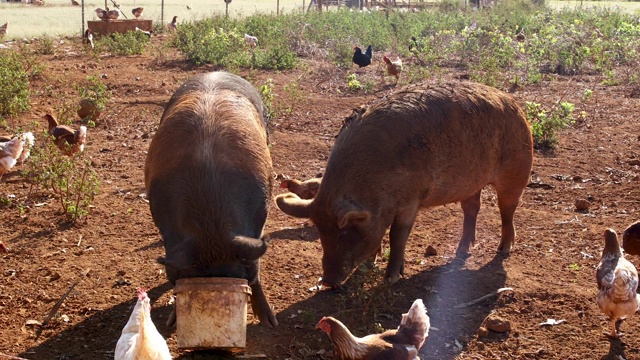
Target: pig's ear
column 292, row 205
column 352, row 215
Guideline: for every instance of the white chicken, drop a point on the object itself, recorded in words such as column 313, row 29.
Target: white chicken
column 617, row 283
column 140, row 340
column 28, row 141
column 9, row 153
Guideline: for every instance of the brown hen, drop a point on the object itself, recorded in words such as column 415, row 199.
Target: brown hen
column 631, row 239
column 68, row 140
column 400, row 344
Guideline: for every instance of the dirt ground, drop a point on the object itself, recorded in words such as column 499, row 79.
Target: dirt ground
column 115, row 249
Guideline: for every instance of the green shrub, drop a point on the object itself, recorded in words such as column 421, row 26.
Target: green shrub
column 545, row 124
column 129, row 43
column 71, row 180
column 14, row 85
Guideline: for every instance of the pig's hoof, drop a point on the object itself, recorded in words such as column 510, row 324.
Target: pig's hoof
column 392, row 279
column 269, row 320
column 504, row 250
column 462, row 254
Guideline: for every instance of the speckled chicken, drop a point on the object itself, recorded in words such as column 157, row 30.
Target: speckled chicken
column 68, row 140
column 304, row 189
column 617, row 283
column 400, row 344
column 631, row 239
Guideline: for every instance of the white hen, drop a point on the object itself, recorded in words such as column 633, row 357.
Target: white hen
column 9, row 153
column 28, row 140
column 140, row 340
column 617, row 283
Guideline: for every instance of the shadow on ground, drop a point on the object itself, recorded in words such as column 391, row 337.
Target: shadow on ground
column 360, row 308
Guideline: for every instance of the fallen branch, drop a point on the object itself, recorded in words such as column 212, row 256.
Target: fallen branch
column 473, row 302
column 57, row 305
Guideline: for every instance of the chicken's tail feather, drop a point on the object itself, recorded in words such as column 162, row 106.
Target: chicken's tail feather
column 416, row 323
column 82, row 134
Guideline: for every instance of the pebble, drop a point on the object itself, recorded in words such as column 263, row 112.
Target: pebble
column 582, row 205
column 431, row 251
column 496, row 323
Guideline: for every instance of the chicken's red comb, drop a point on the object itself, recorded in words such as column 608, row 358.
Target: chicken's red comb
column 142, row 293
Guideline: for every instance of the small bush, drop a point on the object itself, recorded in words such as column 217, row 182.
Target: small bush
column 545, row 124
column 96, row 91
column 353, row 83
column 71, row 180
column 14, row 85
column 129, row 43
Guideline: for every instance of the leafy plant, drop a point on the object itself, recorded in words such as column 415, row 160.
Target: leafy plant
column 45, row 46
column 353, row 83
column 129, row 43
column 295, row 96
column 71, row 180
column 266, row 92
column 14, row 85
column 545, row 124
column 95, row 91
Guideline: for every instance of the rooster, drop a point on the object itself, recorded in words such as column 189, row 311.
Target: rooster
column 137, row 12
column 140, row 340
column 631, row 239
column 304, row 189
column 88, row 38
column 10, row 151
column 252, row 41
column 400, row 344
column 3, row 30
column 617, row 283
column 173, row 25
column 68, row 140
column 361, row 59
column 394, row 68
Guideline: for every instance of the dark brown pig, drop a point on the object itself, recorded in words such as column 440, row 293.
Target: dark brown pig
column 425, row 145
column 208, row 179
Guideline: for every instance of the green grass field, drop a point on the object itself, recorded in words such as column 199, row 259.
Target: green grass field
column 627, row 6
column 59, row 17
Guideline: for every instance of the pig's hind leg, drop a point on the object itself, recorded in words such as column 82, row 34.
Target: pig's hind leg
column 470, row 208
column 508, row 199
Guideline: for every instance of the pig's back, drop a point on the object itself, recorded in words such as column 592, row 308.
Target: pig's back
column 439, row 143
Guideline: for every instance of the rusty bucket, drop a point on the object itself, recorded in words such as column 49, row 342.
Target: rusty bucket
column 211, row 313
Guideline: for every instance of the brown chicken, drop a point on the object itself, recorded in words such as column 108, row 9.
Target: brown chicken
column 137, row 12
column 68, row 140
column 394, row 68
column 400, row 344
column 173, row 25
column 304, row 189
column 102, row 14
column 617, row 283
column 4, row 29
column 631, row 239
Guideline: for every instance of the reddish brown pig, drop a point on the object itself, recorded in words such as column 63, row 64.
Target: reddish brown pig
column 425, row 145
column 208, row 179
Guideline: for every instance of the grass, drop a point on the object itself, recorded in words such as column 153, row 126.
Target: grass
column 626, row 6
column 62, row 19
